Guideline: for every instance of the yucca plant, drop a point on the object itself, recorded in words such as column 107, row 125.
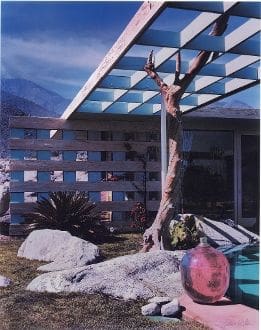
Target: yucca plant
column 70, row 211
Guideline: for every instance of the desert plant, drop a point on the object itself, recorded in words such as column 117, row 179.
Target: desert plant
column 184, row 233
column 70, row 211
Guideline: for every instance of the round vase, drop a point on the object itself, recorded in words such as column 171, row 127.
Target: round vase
column 205, row 273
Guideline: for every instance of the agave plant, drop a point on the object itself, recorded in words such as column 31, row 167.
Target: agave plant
column 70, row 211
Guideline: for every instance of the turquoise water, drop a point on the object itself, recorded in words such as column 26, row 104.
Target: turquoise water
column 244, row 274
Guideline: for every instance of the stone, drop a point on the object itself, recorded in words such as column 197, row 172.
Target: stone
column 141, row 275
column 170, row 309
column 44, row 244
column 150, row 309
column 160, row 300
column 64, row 250
column 78, row 253
column 4, row 281
column 4, row 199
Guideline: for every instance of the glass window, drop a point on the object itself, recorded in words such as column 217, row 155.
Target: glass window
column 30, row 133
column 208, row 183
column 250, row 175
column 17, row 176
column 69, row 176
column 42, row 195
column 43, row 134
column 69, row 155
column 118, row 196
column 94, row 196
column 94, row 155
column 43, row 155
column 94, row 176
column 17, row 133
column 118, row 155
column 17, row 197
column 68, row 135
column 43, row 176
column 17, row 154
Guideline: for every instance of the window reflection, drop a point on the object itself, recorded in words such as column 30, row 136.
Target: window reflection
column 208, row 174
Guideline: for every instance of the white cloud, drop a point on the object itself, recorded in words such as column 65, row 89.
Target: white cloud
column 77, row 53
column 58, row 64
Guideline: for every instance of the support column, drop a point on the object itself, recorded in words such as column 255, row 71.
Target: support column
column 163, row 139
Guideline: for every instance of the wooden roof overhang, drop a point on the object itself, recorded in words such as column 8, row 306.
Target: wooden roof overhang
column 120, row 86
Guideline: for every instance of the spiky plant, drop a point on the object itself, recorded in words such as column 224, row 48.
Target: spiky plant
column 70, row 211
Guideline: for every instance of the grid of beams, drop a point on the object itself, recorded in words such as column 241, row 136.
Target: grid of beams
column 119, row 85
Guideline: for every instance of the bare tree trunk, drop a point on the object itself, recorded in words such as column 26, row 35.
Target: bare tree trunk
column 171, row 96
column 172, row 184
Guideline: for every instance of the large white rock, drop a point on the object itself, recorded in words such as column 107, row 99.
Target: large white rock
column 4, row 281
column 142, row 275
column 78, row 253
column 44, row 245
column 160, row 300
column 64, row 250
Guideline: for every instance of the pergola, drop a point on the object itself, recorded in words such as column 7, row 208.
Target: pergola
column 120, row 86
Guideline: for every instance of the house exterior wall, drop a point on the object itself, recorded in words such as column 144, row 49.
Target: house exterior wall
column 102, row 155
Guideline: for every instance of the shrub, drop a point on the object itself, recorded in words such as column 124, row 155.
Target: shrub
column 69, row 211
column 139, row 217
column 184, row 233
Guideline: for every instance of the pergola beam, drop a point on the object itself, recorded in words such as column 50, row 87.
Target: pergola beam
column 144, row 17
column 129, row 90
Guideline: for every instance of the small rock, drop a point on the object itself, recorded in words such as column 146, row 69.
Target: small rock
column 150, row 309
column 160, row 300
column 170, row 309
column 4, row 281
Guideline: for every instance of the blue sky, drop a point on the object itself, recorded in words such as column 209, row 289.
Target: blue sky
column 59, row 44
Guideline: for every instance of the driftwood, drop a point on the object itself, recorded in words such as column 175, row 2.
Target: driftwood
column 171, row 96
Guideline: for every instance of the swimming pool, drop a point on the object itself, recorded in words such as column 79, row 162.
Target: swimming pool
column 244, row 274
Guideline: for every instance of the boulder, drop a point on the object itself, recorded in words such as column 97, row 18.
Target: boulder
column 142, row 275
column 64, row 250
column 44, row 245
column 4, row 199
column 4, row 281
column 160, row 300
column 170, row 309
column 77, row 253
column 151, row 309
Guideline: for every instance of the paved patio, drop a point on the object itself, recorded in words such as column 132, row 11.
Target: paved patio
column 222, row 315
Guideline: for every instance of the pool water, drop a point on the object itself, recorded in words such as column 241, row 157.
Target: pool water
column 244, row 274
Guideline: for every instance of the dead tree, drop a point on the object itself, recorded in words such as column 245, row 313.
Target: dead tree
column 172, row 95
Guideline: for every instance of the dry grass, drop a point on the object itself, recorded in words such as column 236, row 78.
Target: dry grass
column 21, row 309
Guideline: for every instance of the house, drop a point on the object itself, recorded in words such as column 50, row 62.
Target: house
column 118, row 115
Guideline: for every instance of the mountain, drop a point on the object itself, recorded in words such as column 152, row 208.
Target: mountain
column 21, row 97
column 54, row 103
column 230, row 104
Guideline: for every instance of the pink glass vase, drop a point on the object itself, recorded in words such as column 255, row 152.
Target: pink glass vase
column 205, row 273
